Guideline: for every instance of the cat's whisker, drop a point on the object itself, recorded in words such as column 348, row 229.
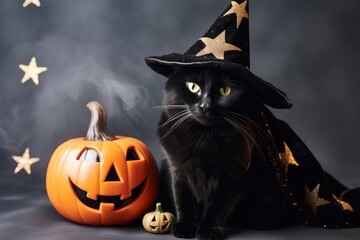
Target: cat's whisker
column 181, row 120
column 176, row 124
column 239, row 128
column 173, row 118
column 241, row 117
column 246, row 135
column 241, row 133
column 260, row 151
column 244, row 131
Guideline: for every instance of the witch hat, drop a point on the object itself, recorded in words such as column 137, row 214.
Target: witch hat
column 225, row 45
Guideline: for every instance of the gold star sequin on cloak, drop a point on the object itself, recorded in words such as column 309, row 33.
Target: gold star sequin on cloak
column 217, row 46
column 287, row 158
column 344, row 205
column 32, row 71
column 28, row 2
column 24, row 162
column 239, row 10
column 313, row 200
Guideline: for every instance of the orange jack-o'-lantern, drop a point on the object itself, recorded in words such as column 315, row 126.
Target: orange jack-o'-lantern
column 102, row 179
column 158, row 221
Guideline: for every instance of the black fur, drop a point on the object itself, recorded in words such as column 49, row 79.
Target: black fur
column 208, row 152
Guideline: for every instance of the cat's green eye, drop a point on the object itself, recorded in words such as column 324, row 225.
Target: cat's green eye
column 193, row 87
column 225, row 91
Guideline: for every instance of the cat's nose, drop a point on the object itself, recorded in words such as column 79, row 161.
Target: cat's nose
column 205, row 108
column 205, row 105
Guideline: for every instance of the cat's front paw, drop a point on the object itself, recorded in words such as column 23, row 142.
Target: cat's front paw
column 184, row 230
column 215, row 233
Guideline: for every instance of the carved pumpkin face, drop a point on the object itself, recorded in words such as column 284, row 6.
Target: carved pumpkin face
column 158, row 221
column 102, row 182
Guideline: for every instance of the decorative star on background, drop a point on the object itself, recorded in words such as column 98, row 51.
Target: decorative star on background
column 24, row 162
column 28, row 2
column 287, row 158
column 216, row 46
column 239, row 10
column 344, row 205
column 313, row 200
column 32, row 71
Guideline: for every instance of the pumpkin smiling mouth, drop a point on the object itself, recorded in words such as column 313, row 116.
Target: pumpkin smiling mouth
column 118, row 203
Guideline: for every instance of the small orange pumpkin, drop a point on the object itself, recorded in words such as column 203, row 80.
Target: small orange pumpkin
column 158, row 221
column 102, row 179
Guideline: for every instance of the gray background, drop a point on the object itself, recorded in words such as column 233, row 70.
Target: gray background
column 94, row 50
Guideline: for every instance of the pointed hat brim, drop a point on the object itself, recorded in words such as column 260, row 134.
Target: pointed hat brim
column 269, row 94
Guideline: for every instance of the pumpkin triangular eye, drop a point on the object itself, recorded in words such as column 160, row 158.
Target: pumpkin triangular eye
column 132, row 155
column 89, row 155
column 165, row 218
column 112, row 175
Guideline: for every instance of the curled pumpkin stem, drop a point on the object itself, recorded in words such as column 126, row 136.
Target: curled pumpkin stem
column 97, row 129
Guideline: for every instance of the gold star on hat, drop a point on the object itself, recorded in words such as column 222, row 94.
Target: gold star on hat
column 287, row 158
column 28, row 2
column 313, row 200
column 32, row 71
column 216, row 46
column 344, row 205
column 239, row 10
column 24, row 162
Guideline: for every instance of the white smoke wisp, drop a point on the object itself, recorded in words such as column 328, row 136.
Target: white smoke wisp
column 5, row 140
column 56, row 110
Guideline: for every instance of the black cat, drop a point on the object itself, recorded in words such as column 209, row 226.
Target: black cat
column 209, row 132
